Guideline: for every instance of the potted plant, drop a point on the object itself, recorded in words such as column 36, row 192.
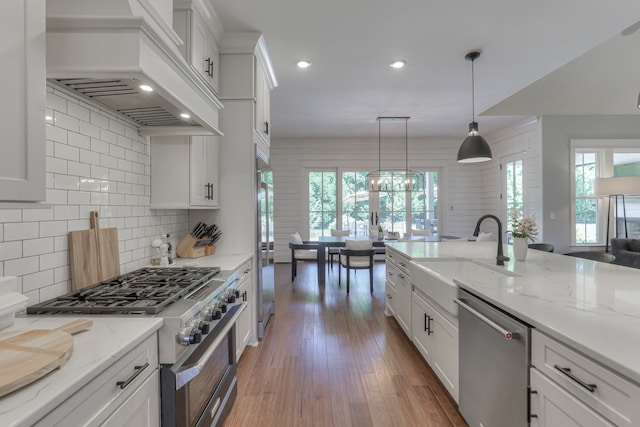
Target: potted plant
column 522, row 230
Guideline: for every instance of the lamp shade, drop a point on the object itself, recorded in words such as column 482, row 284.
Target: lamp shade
column 617, row 185
column 474, row 148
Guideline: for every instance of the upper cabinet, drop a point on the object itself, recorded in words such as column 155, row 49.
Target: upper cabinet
column 246, row 75
column 22, row 106
column 199, row 28
column 184, row 172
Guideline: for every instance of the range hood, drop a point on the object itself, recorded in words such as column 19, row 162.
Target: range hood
column 107, row 50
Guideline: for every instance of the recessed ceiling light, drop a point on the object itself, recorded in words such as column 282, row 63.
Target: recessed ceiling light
column 304, row 64
column 398, row 64
column 146, row 88
column 185, row 116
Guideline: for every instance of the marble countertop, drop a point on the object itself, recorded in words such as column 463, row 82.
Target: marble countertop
column 224, row 261
column 591, row 306
column 94, row 350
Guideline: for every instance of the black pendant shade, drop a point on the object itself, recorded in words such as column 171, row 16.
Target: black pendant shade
column 474, row 148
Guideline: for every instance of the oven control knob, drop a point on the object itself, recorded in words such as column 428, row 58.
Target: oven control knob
column 231, row 298
column 236, row 293
column 204, row 327
column 196, row 336
column 217, row 314
column 223, row 307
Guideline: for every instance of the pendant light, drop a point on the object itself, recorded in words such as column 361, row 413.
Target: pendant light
column 392, row 180
column 474, row 148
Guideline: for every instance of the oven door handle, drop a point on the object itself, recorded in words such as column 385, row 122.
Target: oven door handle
column 187, row 374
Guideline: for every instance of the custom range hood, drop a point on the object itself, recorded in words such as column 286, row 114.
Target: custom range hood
column 107, row 50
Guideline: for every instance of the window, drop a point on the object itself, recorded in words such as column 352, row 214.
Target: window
column 322, row 203
column 424, row 205
column 593, row 159
column 355, row 203
column 512, row 190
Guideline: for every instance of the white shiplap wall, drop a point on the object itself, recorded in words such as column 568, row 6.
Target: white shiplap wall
column 95, row 161
column 461, row 189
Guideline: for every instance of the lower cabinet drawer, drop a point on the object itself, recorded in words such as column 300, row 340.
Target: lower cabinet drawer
column 609, row 394
column 96, row 401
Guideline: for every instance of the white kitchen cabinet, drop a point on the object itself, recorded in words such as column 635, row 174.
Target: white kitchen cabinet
column 184, row 172
column 113, row 398
column 584, row 382
column 22, row 109
column 243, row 324
column 391, row 300
column 263, row 105
column 552, row 406
column 437, row 340
column 398, row 273
column 197, row 25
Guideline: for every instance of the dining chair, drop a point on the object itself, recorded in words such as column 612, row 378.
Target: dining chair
column 334, row 251
column 593, row 255
column 301, row 251
column 357, row 255
column 546, row 247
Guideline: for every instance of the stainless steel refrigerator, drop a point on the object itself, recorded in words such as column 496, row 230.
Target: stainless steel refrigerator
column 264, row 250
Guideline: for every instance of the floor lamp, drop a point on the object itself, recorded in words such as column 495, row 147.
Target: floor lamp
column 613, row 187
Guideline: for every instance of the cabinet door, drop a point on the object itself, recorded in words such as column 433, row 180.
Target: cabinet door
column 422, row 329
column 403, row 313
column 203, row 181
column 552, row 406
column 141, row 409
column 243, row 325
column 22, row 106
column 391, row 300
column 263, row 102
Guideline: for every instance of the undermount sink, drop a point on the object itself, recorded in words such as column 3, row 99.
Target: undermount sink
column 435, row 278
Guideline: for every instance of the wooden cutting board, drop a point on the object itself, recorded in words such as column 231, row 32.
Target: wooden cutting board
column 93, row 254
column 31, row 355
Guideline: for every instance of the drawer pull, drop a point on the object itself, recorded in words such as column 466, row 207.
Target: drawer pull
column 567, row 372
column 138, row 371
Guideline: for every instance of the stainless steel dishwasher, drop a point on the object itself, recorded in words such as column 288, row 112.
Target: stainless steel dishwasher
column 494, row 364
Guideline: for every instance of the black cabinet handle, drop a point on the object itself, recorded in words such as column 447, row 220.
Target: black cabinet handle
column 137, row 371
column 244, row 296
column 209, row 69
column 429, row 319
column 567, row 372
column 426, row 328
column 266, row 128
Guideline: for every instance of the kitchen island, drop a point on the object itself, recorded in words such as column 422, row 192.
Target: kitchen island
column 592, row 309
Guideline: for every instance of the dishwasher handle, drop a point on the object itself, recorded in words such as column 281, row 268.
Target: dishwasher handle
column 502, row 331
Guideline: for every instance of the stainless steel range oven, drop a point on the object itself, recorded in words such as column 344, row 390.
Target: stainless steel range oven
column 196, row 342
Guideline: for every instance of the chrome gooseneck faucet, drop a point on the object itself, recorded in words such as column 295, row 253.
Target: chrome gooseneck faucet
column 500, row 259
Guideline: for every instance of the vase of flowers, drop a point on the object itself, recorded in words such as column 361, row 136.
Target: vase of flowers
column 522, row 230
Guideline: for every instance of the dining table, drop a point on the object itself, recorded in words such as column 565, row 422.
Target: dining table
column 325, row 242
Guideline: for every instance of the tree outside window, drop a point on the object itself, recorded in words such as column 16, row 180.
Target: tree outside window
column 322, row 203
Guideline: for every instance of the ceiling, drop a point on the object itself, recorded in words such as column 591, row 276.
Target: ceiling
column 544, row 57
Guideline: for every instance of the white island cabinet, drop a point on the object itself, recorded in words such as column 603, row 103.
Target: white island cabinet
column 110, row 379
column 22, row 109
column 243, row 325
column 398, row 283
column 585, row 319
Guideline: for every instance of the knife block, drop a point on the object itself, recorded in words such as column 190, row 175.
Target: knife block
column 186, row 248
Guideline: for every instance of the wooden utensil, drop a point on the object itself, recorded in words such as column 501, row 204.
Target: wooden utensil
column 93, row 254
column 31, row 355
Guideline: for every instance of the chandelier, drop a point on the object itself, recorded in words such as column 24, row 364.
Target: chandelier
column 394, row 180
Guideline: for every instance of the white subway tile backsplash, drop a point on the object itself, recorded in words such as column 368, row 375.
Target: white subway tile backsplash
column 108, row 136
column 53, row 260
column 124, row 188
column 89, row 130
column 116, row 127
column 125, row 165
column 21, row 266
column 79, row 169
column 131, row 155
column 131, row 200
column 61, row 212
column 31, row 282
column 37, row 246
column 56, row 102
column 79, row 140
column 99, row 120
column 56, row 165
column 131, row 178
column 98, row 198
column 116, row 175
column 53, row 228
column 10, row 215
column 89, row 184
column 64, row 151
column 78, row 111
column 55, row 290
column 89, row 157
column 61, row 274
column 131, row 133
column 108, row 161
column 99, row 172
column 48, row 148
column 10, row 250
column 37, row 214
column 56, row 197
column 56, row 134
column 20, row 231
column 66, row 122
column 116, row 151
column 61, row 243
column 79, row 198
column 125, row 142
column 66, row 182
column 75, row 225
column 98, row 146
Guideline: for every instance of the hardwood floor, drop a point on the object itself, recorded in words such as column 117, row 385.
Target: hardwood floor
column 332, row 359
